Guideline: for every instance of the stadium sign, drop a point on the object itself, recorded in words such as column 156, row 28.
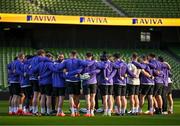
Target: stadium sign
column 144, row 21
column 89, row 20
column 41, row 18
column 94, row 20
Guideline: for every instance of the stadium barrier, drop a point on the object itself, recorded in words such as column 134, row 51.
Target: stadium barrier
column 88, row 20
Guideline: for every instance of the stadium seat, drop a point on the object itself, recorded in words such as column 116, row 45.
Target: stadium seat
column 149, row 8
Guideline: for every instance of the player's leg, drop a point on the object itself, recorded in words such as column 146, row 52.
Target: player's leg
column 159, row 99
column 132, row 98
column 117, row 93
column 25, row 103
column 155, row 94
column 171, row 102
column 48, row 92
column 136, row 98
column 144, row 90
column 150, row 99
column 42, row 100
column 71, row 99
column 93, row 89
column 10, row 99
column 104, row 93
column 86, row 92
column 76, row 93
column 36, row 94
column 53, row 103
column 164, row 99
column 61, row 101
column 109, row 98
column 123, row 100
column 17, row 97
column 170, row 99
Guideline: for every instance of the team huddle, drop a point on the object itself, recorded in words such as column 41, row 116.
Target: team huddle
column 38, row 79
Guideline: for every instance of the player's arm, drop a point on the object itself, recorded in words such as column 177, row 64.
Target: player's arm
column 138, row 65
column 86, row 63
column 75, row 72
column 113, row 73
column 147, row 74
column 55, row 67
column 167, row 65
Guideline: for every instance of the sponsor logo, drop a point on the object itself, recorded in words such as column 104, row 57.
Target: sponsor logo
column 147, row 21
column 94, row 20
column 41, row 18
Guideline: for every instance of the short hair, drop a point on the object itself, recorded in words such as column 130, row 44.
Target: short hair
column 49, row 55
column 74, row 52
column 144, row 57
column 40, row 52
column 104, row 56
column 89, row 54
column 20, row 55
column 140, row 59
column 152, row 55
column 61, row 53
column 161, row 59
column 134, row 55
column 116, row 55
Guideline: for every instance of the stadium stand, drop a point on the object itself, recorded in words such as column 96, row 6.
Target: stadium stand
column 59, row 7
column 175, row 50
column 131, row 8
column 7, row 54
column 149, row 8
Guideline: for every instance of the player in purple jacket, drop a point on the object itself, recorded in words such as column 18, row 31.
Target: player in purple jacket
column 15, row 83
column 58, row 83
column 120, row 81
column 34, row 79
column 165, row 68
column 23, row 72
column 90, row 84
column 147, row 85
column 73, row 82
column 158, row 80
column 10, row 74
column 106, row 82
column 45, row 83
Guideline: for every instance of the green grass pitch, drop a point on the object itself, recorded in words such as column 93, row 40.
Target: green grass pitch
column 173, row 119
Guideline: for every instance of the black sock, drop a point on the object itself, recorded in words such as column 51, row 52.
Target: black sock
column 156, row 110
column 160, row 110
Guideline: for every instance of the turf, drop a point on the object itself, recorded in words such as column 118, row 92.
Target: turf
column 173, row 119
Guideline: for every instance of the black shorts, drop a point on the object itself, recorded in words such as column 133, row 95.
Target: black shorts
column 119, row 90
column 106, row 89
column 147, row 89
column 35, row 85
column 158, row 89
column 28, row 92
column 16, row 89
column 89, row 89
column 59, row 91
column 10, row 90
column 74, row 88
column 169, row 89
column 133, row 89
column 46, row 89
